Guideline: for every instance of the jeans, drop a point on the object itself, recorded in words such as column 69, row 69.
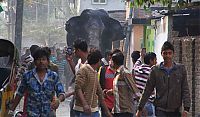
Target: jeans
column 150, row 109
column 71, row 104
column 82, row 114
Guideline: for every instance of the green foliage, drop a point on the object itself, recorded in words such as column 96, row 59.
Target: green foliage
column 147, row 3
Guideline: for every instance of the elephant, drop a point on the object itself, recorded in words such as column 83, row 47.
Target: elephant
column 96, row 27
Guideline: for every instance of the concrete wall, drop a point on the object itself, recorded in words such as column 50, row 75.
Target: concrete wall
column 110, row 6
column 135, row 42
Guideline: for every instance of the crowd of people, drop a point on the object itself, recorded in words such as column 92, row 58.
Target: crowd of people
column 102, row 86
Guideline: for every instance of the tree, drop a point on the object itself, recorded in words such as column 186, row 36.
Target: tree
column 168, row 3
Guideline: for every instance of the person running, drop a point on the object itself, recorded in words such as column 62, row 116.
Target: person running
column 41, row 85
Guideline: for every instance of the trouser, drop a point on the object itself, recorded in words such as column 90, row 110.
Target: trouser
column 72, row 111
column 82, row 114
column 103, row 112
column 160, row 113
column 135, row 104
column 123, row 115
column 52, row 113
column 150, row 109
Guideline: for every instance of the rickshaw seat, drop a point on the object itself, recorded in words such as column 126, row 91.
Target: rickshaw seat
column 4, row 74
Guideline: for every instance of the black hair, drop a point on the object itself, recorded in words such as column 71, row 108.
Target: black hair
column 115, row 51
column 94, row 57
column 80, row 44
column 33, row 48
column 41, row 52
column 135, row 55
column 118, row 58
column 107, row 53
column 149, row 56
column 48, row 50
column 167, row 46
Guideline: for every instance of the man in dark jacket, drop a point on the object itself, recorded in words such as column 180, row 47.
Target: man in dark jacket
column 170, row 81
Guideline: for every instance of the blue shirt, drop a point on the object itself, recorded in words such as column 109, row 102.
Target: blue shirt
column 40, row 94
column 167, row 70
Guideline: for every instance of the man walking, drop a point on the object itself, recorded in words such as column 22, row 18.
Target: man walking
column 88, row 90
column 170, row 80
column 124, row 88
column 106, row 77
column 141, row 75
column 81, row 52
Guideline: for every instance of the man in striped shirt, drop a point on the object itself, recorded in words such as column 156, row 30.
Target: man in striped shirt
column 141, row 75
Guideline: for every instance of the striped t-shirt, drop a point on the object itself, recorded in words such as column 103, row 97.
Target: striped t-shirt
column 141, row 74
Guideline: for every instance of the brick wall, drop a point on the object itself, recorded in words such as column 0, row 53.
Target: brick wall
column 197, row 76
column 187, row 51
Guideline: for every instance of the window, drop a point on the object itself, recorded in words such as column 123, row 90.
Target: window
column 99, row 1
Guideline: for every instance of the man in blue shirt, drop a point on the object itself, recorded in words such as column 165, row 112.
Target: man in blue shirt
column 41, row 85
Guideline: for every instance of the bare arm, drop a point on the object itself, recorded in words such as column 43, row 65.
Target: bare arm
column 71, row 63
column 69, row 94
column 20, row 92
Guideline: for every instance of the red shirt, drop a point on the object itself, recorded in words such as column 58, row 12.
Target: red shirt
column 109, row 77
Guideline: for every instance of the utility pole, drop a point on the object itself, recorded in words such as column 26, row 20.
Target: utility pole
column 128, row 33
column 13, row 18
column 36, row 11
column 18, row 24
column 9, row 19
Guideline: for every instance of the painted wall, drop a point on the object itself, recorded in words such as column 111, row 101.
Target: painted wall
column 149, row 36
column 138, row 36
column 135, row 41
column 109, row 6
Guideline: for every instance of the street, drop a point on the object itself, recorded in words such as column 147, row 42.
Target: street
column 63, row 110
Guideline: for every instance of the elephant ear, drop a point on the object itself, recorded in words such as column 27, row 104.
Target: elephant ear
column 70, row 39
column 74, row 29
column 116, row 29
column 71, row 23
